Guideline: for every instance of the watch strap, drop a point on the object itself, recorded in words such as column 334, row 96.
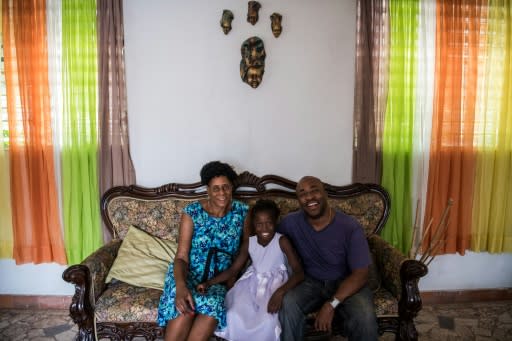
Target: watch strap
column 334, row 302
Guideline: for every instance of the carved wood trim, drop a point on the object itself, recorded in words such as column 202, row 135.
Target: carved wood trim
column 247, row 186
column 80, row 311
column 127, row 331
column 410, row 301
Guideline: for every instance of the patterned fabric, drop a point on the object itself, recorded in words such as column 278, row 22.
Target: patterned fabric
column 389, row 260
column 122, row 302
column 161, row 218
column 209, row 232
column 367, row 208
column 99, row 264
column 125, row 303
column 385, row 303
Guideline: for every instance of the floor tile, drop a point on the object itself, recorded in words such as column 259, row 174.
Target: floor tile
column 479, row 321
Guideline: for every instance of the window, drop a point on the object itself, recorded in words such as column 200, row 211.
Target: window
column 4, row 126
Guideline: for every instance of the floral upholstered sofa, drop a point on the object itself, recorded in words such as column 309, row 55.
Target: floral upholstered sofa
column 120, row 311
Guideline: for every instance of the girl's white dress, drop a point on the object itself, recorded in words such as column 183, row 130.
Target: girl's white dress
column 247, row 301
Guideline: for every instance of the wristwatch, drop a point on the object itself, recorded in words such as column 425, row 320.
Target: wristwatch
column 334, row 302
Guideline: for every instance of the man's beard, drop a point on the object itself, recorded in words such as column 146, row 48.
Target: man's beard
column 320, row 214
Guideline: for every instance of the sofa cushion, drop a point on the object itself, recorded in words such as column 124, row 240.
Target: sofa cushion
column 122, row 302
column 142, row 259
column 160, row 218
column 385, row 303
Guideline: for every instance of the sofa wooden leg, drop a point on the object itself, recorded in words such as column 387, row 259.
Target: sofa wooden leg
column 407, row 331
column 85, row 335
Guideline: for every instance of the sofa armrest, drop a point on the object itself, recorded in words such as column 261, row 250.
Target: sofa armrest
column 99, row 264
column 400, row 276
column 389, row 262
column 89, row 280
column 410, row 301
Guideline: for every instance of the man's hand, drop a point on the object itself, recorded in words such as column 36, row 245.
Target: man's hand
column 324, row 317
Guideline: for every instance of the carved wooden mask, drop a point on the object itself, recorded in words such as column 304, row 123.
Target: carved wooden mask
column 225, row 20
column 252, row 65
column 275, row 24
column 252, row 12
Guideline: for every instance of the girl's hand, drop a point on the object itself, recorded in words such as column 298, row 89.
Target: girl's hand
column 184, row 302
column 274, row 304
column 202, row 288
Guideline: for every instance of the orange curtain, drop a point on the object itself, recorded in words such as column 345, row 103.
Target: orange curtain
column 452, row 159
column 36, row 226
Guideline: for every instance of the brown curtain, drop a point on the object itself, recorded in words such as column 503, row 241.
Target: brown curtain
column 35, row 213
column 116, row 167
column 372, row 44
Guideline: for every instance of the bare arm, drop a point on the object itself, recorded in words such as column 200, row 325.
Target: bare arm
column 274, row 304
column 352, row 284
column 236, row 266
column 230, row 272
column 183, row 302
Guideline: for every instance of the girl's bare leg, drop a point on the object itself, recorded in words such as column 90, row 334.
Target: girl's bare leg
column 179, row 328
column 202, row 328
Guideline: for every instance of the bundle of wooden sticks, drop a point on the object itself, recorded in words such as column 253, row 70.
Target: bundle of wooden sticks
column 438, row 239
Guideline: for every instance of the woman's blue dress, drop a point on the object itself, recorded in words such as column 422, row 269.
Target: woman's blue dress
column 209, row 232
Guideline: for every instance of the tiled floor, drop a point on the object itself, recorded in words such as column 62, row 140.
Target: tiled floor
column 469, row 321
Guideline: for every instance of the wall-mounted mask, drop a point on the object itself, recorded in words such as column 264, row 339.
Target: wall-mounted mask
column 252, row 11
column 225, row 20
column 275, row 24
column 252, row 65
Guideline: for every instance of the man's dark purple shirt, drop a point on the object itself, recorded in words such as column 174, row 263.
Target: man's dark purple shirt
column 332, row 253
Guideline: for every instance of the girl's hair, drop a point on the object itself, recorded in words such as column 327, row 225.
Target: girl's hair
column 265, row 205
column 216, row 168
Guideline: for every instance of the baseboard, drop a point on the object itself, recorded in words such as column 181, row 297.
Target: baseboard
column 34, row 302
column 428, row 297
column 465, row 296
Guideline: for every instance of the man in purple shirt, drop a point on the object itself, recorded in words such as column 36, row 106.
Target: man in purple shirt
column 336, row 257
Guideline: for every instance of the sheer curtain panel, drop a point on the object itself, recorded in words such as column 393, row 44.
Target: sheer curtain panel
column 35, row 215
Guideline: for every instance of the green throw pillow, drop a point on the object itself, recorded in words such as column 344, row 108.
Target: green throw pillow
column 142, row 259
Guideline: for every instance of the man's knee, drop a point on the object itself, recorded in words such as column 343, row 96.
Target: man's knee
column 291, row 300
column 360, row 317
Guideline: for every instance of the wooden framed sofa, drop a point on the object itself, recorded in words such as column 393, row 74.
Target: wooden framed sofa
column 120, row 311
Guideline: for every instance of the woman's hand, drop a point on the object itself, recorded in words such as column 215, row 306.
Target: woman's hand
column 184, row 302
column 274, row 304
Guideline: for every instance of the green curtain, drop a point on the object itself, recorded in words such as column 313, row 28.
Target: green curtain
column 397, row 147
column 79, row 146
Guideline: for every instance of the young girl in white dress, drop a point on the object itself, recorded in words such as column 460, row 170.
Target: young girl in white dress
column 253, row 302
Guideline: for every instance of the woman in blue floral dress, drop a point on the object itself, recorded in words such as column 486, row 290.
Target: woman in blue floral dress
column 211, row 232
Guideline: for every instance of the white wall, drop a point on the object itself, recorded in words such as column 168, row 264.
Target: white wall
column 187, row 105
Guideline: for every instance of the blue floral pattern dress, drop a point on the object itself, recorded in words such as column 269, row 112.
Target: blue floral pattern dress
column 223, row 234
